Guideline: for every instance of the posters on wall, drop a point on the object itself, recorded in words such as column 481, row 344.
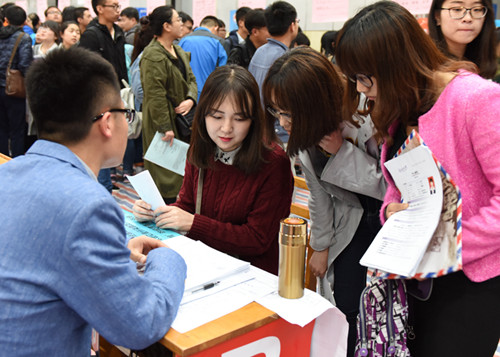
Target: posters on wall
column 61, row 4
column 41, row 5
column 124, row 4
column 23, row 4
column 329, row 11
column 416, row 7
column 252, row 4
column 202, row 8
column 153, row 4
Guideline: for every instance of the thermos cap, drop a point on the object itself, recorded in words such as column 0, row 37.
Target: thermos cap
column 293, row 231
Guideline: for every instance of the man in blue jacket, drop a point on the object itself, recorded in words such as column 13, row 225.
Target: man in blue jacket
column 207, row 50
column 66, row 264
column 12, row 109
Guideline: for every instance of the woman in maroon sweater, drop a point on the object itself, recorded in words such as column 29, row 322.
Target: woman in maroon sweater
column 247, row 184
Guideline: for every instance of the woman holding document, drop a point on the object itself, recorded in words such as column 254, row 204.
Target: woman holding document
column 169, row 89
column 411, row 85
column 247, row 182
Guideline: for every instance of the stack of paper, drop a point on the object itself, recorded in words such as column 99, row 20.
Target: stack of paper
column 208, row 270
column 400, row 245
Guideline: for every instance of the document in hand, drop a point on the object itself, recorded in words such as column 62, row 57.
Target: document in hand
column 145, row 187
column 424, row 240
column 172, row 158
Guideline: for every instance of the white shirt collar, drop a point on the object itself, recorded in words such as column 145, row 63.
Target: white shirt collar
column 226, row 158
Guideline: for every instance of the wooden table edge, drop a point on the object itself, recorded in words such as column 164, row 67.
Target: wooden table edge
column 227, row 327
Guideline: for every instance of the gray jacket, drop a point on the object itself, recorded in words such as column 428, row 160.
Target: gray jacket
column 334, row 207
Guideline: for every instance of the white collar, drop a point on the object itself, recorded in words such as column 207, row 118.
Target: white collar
column 226, row 158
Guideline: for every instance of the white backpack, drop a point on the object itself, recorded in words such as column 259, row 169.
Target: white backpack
column 134, row 128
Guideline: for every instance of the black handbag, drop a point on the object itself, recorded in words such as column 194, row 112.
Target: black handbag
column 183, row 123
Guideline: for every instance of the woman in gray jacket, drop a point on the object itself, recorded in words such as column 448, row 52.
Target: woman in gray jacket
column 340, row 162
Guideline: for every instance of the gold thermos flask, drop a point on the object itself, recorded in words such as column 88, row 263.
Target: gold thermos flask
column 292, row 241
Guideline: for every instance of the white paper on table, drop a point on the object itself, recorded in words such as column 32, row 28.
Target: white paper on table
column 172, row 158
column 329, row 337
column 296, row 311
column 146, row 188
column 222, row 284
column 209, row 308
column 401, row 243
column 205, row 265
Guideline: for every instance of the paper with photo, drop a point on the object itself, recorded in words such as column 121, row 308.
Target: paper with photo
column 401, row 243
column 146, row 188
column 444, row 251
column 172, row 158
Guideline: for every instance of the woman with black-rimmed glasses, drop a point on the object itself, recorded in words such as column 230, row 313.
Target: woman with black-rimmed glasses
column 303, row 91
column 465, row 30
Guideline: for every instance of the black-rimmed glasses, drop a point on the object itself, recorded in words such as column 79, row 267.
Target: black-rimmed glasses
column 278, row 114
column 459, row 12
column 364, row 79
column 116, row 7
column 129, row 114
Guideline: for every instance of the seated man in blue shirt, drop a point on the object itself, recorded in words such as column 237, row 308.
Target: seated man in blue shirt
column 66, row 264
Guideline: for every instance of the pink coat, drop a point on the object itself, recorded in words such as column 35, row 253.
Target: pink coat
column 463, row 131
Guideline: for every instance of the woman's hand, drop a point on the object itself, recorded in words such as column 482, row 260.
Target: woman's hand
column 141, row 246
column 173, row 218
column 393, row 208
column 332, row 142
column 319, row 263
column 169, row 137
column 184, row 107
column 142, row 211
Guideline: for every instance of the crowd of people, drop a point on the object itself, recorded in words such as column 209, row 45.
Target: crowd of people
column 260, row 99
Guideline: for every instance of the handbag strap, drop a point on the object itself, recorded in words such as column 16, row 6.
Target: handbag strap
column 199, row 191
column 14, row 50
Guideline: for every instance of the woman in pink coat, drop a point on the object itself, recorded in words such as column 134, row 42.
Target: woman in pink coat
column 409, row 85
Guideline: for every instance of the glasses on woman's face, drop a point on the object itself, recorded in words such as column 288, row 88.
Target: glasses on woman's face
column 129, row 114
column 278, row 114
column 364, row 79
column 459, row 12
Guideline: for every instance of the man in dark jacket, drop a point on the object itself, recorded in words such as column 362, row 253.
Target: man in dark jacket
column 13, row 110
column 106, row 38
column 255, row 23
column 238, row 36
column 129, row 23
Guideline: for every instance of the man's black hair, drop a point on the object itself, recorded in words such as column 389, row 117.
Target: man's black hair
column 130, row 12
column 66, row 89
column 79, row 11
column 241, row 13
column 279, row 16
column 16, row 15
column 185, row 17
column 255, row 19
column 209, row 21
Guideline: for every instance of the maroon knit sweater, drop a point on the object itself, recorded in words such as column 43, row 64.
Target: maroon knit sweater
column 240, row 213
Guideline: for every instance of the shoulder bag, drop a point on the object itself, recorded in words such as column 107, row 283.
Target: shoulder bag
column 14, row 79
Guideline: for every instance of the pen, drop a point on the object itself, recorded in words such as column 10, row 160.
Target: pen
column 206, row 287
